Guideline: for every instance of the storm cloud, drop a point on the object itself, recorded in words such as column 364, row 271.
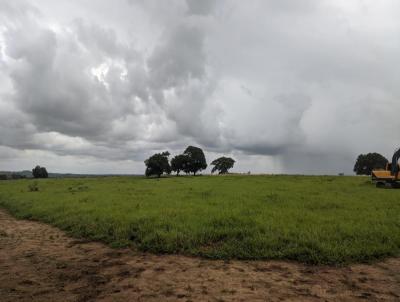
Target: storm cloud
column 282, row 86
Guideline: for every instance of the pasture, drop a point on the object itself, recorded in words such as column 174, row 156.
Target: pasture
column 312, row 219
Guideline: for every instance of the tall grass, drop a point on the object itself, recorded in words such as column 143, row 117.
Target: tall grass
column 318, row 220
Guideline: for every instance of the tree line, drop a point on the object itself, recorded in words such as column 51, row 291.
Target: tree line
column 192, row 160
column 37, row 172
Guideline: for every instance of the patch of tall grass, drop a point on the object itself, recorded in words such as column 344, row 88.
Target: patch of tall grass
column 312, row 219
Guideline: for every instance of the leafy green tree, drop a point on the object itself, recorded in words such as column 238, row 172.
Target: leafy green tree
column 367, row 162
column 222, row 164
column 197, row 160
column 158, row 164
column 179, row 163
column 39, row 172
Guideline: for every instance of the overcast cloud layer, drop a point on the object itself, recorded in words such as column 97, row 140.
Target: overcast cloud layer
column 283, row 86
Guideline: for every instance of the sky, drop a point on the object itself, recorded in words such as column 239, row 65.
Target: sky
column 97, row 86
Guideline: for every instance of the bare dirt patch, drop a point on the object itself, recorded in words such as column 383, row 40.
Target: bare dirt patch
column 40, row 263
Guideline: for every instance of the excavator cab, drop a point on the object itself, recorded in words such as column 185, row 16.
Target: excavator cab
column 390, row 177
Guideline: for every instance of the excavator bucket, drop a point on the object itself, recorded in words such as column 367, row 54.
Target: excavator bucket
column 382, row 175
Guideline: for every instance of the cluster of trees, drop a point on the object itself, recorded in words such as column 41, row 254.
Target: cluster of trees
column 365, row 163
column 192, row 160
column 39, row 172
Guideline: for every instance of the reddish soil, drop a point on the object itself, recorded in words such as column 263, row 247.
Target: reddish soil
column 41, row 263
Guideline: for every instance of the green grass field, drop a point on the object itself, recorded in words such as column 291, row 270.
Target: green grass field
column 313, row 219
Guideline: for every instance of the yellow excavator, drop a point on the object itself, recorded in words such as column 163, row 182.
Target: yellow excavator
column 390, row 177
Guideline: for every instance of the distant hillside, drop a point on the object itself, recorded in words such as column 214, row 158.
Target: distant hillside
column 25, row 173
column 28, row 174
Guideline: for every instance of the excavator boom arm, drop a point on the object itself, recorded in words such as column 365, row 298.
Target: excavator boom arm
column 395, row 159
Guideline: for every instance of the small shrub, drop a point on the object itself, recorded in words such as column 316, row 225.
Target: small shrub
column 79, row 188
column 33, row 187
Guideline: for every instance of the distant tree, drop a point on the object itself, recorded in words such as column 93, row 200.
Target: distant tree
column 179, row 163
column 367, row 162
column 158, row 164
column 197, row 160
column 39, row 172
column 222, row 164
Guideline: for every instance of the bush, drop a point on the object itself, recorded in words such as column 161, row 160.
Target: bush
column 33, row 187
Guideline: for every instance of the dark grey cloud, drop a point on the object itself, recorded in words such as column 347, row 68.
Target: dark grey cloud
column 200, row 7
column 172, row 66
column 277, row 84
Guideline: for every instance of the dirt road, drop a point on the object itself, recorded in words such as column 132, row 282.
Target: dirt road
column 40, row 263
